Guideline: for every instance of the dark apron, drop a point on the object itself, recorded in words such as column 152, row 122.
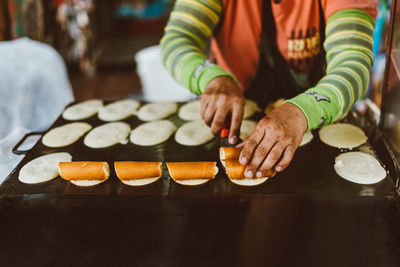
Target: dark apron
column 273, row 78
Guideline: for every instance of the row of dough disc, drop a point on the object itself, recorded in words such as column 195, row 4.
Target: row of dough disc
column 356, row 167
column 339, row 135
column 147, row 134
column 192, row 133
column 125, row 108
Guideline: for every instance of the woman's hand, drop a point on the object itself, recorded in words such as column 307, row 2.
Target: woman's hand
column 221, row 98
column 274, row 141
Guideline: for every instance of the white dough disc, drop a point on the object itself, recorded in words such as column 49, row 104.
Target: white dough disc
column 152, row 133
column 65, row 135
column 249, row 182
column 192, row 181
column 307, row 137
column 118, row 110
column 43, row 168
column 250, row 107
column 86, row 183
column 342, row 135
column 157, row 111
column 190, row 111
column 359, row 167
column 82, row 110
column 193, row 133
column 271, row 106
column 247, row 128
column 107, row 135
column 140, row 182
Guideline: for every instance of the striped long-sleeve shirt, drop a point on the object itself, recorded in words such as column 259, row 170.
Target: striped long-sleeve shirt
column 348, row 47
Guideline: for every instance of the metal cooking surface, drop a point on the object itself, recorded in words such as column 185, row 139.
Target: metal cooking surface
column 310, row 173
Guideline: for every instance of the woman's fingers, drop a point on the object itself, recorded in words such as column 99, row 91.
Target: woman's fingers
column 250, row 145
column 262, row 151
column 219, row 120
column 210, row 112
column 286, row 158
column 236, row 121
column 273, row 156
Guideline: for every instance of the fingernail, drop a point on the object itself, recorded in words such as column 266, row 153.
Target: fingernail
column 258, row 174
column 233, row 140
column 249, row 174
column 243, row 160
column 278, row 169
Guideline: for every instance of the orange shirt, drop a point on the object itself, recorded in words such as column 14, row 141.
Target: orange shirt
column 235, row 43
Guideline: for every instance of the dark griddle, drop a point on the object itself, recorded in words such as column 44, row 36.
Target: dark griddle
column 311, row 171
column 306, row 215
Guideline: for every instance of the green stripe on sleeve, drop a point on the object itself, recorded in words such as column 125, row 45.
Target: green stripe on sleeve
column 349, row 58
column 187, row 34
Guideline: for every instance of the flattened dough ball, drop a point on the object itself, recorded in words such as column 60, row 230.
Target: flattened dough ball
column 43, row 168
column 193, row 133
column 307, row 137
column 247, row 128
column 359, row 167
column 250, row 108
column 190, row 111
column 82, row 110
column 107, row 135
column 65, row 135
column 118, row 110
column 86, row 183
column 342, row 135
column 157, row 111
column 152, row 133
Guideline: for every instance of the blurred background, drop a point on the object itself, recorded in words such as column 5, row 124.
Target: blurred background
column 98, row 40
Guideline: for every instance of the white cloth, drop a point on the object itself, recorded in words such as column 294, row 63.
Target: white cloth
column 34, row 89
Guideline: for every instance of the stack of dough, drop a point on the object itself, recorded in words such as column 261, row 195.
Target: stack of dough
column 229, row 157
column 152, row 133
column 43, row 168
column 65, row 135
column 190, row 111
column 119, row 110
column 82, row 110
column 192, row 173
column 107, row 135
column 84, row 173
column 193, row 133
column 135, row 173
column 157, row 111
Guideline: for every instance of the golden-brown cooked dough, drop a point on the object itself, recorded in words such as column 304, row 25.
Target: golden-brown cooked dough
column 84, row 170
column 235, row 170
column 229, row 153
column 192, row 170
column 131, row 170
